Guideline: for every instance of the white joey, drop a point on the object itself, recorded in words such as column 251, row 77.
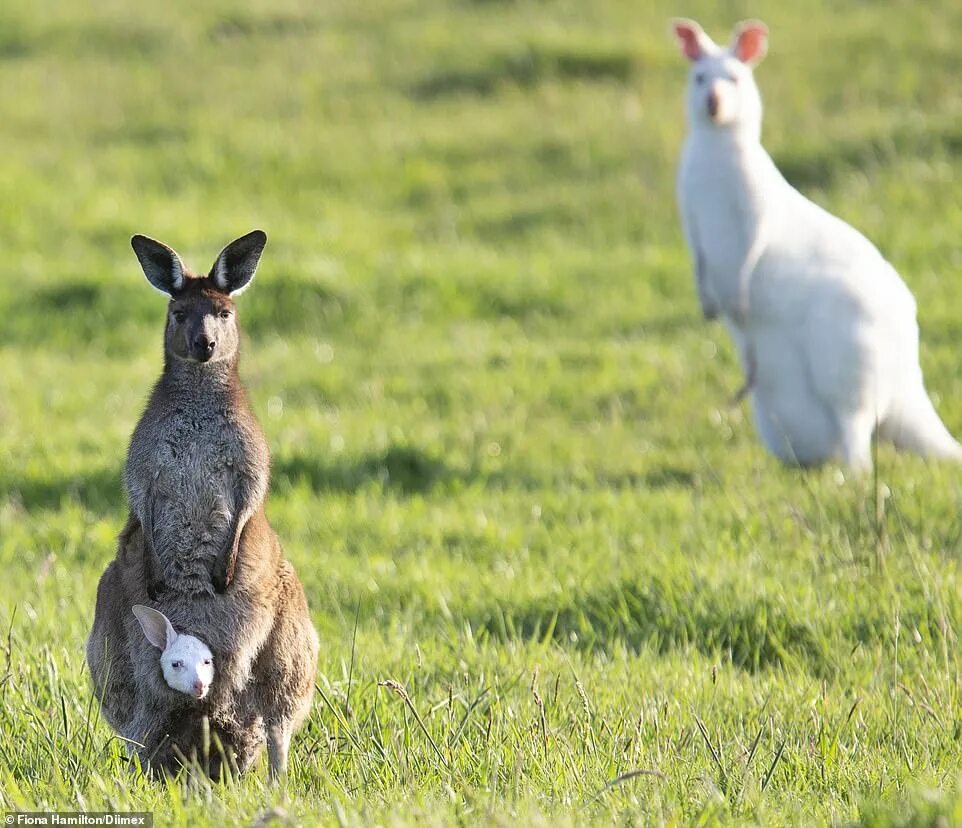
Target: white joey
column 186, row 661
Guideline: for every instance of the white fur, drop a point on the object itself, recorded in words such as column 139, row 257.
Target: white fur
column 824, row 327
column 177, row 282
column 246, row 252
column 186, row 661
column 220, row 273
column 167, row 277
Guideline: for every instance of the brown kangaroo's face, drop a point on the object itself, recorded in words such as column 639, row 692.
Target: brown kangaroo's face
column 201, row 318
column 201, row 324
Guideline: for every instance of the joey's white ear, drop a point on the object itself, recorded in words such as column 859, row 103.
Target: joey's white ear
column 157, row 629
column 162, row 266
column 750, row 42
column 692, row 38
column 236, row 264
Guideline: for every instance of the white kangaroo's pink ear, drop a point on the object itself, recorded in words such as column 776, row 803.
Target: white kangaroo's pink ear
column 692, row 38
column 750, row 42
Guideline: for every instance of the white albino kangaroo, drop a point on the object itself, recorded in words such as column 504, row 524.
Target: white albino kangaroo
column 824, row 327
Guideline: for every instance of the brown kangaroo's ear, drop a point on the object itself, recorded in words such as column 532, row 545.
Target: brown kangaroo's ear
column 162, row 266
column 235, row 265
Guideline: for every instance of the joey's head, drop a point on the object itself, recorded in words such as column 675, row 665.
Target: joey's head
column 201, row 315
column 186, row 661
column 722, row 93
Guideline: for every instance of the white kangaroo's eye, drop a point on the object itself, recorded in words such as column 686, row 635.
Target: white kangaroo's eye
column 207, row 661
column 177, row 665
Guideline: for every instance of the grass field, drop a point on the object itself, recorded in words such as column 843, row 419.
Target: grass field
column 504, row 465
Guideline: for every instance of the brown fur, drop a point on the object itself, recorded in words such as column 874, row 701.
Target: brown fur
column 198, row 464
column 265, row 657
column 198, row 547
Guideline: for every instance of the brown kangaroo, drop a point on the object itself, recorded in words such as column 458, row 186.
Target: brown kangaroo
column 198, row 464
column 198, row 546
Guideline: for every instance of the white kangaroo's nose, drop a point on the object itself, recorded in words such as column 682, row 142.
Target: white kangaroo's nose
column 714, row 102
column 200, row 689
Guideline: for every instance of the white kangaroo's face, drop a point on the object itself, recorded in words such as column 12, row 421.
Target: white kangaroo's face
column 722, row 92
column 188, row 666
column 187, row 662
column 721, row 87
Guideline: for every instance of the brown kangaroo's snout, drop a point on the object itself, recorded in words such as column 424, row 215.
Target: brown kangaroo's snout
column 203, row 348
column 202, row 325
column 200, row 336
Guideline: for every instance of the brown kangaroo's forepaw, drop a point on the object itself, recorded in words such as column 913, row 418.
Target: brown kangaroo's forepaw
column 220, row 582
column 155, row 588
column 223, row 576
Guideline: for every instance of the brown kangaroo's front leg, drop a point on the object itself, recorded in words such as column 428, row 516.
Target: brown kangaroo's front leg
column 153, row 572
column 223, row 572
column 224, row 566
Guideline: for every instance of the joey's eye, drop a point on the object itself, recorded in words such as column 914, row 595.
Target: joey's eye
column 699, row 78
column 179, row 315
column 207, row 661
column 224, row 314
column 177, row 665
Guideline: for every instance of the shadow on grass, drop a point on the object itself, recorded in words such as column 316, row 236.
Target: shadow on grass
column 822, row 165
column 527, row 68
column 100, row 490
column 668, row 614
column 79, row 314
column 289, row 305
column 237, row 25
column 664, row 477
column 521, row 304
column 400, row 469
column 521, row 222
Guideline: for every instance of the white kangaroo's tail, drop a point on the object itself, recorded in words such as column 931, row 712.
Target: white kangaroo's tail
column 915, row 426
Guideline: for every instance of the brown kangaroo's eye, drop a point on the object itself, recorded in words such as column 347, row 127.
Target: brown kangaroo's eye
column 179, row 315
column 224, row 314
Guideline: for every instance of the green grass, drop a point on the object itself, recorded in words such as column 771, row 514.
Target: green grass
column 499, row 428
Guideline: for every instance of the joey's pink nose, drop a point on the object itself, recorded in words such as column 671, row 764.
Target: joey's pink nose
column 200, row 689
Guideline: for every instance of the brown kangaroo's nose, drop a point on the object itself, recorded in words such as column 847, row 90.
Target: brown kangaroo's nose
column 202, row 348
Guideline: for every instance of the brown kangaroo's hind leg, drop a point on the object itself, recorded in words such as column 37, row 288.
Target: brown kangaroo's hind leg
column 278, row 745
